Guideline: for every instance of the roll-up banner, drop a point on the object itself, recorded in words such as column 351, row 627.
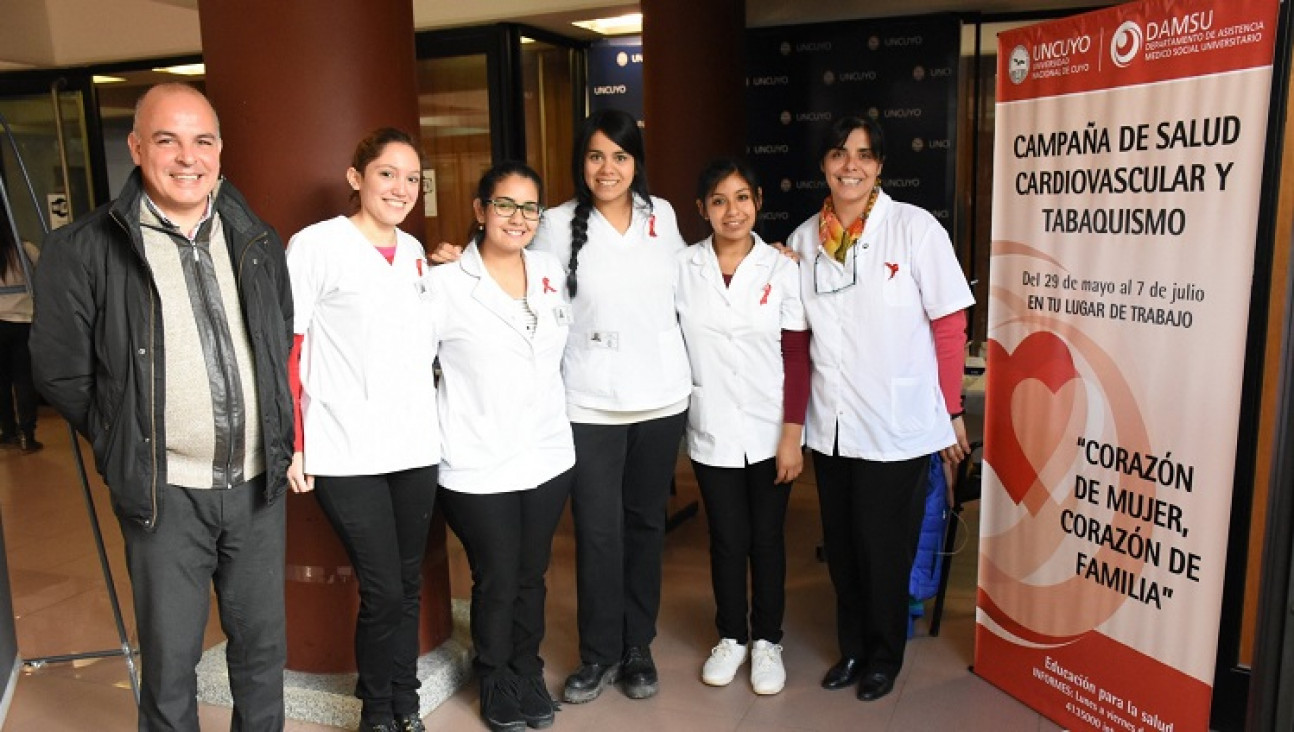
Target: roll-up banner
column 1129, row 152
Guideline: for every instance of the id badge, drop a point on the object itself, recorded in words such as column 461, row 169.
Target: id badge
column 605, row 339
column 562, row 314
column 420, row 287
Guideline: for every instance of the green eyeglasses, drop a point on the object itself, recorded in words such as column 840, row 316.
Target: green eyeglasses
column 505, row 207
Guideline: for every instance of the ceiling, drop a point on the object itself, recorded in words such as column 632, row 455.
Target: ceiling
column 55, row 33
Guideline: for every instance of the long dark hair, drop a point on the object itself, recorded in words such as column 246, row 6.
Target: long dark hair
column 622, row 129
column 490, row 181
column 8, row 244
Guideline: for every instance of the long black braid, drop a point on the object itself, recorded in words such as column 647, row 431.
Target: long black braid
column 579, row 237
column 622, row 129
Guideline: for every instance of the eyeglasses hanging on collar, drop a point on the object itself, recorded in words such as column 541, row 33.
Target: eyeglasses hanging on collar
column 830, row 277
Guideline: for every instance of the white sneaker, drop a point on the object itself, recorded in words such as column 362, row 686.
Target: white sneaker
column 767, row 675
column 721, row 667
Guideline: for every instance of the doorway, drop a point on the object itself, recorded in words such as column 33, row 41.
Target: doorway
column 49, row 128
column 485, row 95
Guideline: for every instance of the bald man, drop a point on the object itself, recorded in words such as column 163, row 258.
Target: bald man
column 161, row 333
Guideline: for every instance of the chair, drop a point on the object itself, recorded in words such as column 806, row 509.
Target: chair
column 966, row 488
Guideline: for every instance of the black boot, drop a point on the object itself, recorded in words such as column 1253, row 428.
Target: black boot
column 589, row 680
column 639, row 673
column 28, row 444
column 500, row 707
column 538, row 707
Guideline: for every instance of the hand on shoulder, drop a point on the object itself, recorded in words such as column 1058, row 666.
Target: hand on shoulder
column 444, row 253
column 786, row 251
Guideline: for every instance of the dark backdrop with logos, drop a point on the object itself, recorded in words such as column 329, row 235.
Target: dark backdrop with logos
column 901, row 73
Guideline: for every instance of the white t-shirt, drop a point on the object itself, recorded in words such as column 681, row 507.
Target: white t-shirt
column 734, row 343
column 368, row 391
column 502, row 404
column 625, row 351
column 875, row 374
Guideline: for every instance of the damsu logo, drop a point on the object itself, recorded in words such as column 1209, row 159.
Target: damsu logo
column 1125, row 43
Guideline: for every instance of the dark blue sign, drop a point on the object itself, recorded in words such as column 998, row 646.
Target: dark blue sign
column 616, row 75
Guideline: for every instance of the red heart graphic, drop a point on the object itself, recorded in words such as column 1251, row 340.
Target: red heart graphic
column 1041, row 357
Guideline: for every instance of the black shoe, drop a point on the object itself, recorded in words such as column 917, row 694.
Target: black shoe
column 409, row 723
column 499, row 706
column 367, row 726
column 639, row 673
column 875, row 685
column 538, row 707
column 588, row 681
column 844, row 673
column 28, row 444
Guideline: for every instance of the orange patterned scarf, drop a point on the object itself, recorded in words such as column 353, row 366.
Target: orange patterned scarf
column 834, row 237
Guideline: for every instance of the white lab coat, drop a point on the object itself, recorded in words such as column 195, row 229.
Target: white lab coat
column 502, row 404
column 368, row 391
column 625, row 352
column 734, row 344
column 875, row 374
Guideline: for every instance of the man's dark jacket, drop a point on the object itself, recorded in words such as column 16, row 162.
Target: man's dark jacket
column 97, row 351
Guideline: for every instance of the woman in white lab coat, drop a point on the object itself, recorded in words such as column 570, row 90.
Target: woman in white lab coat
column 502, row 320
column 368, row 442
column 627, row 386
column 739, row 305
column 885, row 297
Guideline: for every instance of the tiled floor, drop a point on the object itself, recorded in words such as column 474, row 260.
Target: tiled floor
column 61, row 607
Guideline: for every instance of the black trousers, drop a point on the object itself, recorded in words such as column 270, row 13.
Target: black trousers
column 16, row 389
column 508, row 538
column 871, row 521
column 234, row 540
column 746, row 511
column 619, row 502
column 383, row 522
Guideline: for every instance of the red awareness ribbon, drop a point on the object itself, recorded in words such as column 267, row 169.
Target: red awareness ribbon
column 767, row 289
column 548, row 286
column 651, row 226
column 419, row 263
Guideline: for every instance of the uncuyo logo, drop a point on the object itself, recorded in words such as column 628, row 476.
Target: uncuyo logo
column 1018, row 65
column 1125, row 43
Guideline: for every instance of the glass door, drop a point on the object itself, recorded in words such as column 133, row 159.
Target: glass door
column 549, row 76
column 490, row 94
column 454, row 117
column 49, row 130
